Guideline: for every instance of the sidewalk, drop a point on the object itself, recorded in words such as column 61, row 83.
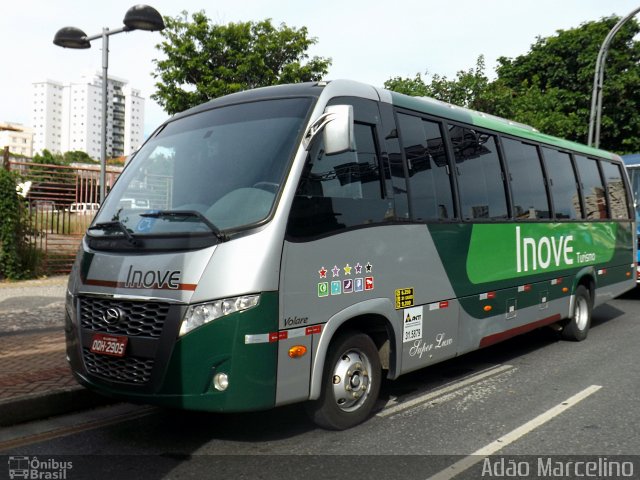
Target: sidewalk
column 35, row 379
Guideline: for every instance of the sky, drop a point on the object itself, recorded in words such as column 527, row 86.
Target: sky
column 367, row 40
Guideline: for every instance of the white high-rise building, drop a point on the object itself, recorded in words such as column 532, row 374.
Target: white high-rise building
column 46, row 116
column 67, row 117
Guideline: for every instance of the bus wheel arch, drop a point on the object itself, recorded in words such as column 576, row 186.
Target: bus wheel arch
column 370, row 317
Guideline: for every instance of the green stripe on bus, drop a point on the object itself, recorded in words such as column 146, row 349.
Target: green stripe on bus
column 482, row 257
column 503, row 251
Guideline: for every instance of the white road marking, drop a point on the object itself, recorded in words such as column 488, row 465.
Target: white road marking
column 444, row 390
column 500, row 443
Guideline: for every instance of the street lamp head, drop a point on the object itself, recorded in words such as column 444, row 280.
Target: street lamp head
column 143, row 17
column 71, row 37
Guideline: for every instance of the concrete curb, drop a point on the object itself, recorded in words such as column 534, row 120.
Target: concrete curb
column 26, row 408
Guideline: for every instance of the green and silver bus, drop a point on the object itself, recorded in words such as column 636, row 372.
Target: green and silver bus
column 300, row 243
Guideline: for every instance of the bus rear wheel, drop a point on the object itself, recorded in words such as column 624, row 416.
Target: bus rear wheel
column 577, row 326
column 350, row 384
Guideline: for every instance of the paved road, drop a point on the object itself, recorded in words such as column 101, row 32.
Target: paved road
column 533, row 395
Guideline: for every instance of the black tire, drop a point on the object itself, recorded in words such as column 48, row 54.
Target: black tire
column 577, row 326
column 350, row 383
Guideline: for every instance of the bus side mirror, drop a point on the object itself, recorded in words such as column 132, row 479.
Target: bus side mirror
column 338, row 132
column 336, row 125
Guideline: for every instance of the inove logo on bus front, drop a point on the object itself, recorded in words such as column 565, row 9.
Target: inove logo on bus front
column 498, row 252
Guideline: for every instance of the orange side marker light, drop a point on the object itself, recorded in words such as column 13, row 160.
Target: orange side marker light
column 297, row 351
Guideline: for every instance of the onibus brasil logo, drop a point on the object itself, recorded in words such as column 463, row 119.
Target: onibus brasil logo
column 33, row 468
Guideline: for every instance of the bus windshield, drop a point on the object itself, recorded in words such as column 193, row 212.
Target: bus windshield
column 216, row 170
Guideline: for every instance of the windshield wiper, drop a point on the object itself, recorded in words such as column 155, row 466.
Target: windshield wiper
column 118, row 225
column 172, row 214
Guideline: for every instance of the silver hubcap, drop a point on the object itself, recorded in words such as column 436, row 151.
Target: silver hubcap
column 581, row 314
column 351, row 382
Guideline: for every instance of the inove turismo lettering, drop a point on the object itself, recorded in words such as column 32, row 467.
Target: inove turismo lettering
column 532, row 253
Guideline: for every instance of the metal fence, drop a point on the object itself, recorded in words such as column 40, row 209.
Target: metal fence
column 62, row 201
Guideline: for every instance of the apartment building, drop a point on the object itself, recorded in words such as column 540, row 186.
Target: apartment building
column 68, row 116
column 19, row 138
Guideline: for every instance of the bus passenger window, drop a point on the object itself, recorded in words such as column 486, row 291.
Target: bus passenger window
column 563, row 184
column 527, row 182
column 425, row 151
column 618, row 203
column 482, row 193
column 340, row 191
column 595, row 201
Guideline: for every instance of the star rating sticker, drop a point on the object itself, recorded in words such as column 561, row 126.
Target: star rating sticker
column 336, row 271
column 347, row 269
column 358, row 268
column 323, row 272
column 368, row 267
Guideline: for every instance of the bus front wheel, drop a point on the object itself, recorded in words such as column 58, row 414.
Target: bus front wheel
column 577, row 326
column 350, row 384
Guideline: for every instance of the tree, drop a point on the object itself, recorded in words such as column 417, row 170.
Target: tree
column 48, row 158
column 550, row 86
column 205, row 61
column 555, row 78
column 465, row 90
column 416, row 87
column 77, row 156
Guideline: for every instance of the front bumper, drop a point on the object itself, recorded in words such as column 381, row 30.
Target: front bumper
column 178, row 371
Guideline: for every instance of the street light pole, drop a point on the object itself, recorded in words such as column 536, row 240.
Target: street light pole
column 595, row 116
column 139, row 17
column 103, row 146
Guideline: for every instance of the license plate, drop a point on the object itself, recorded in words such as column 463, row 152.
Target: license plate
column 105, row 344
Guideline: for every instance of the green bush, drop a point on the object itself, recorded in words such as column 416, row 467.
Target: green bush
column 17, row 257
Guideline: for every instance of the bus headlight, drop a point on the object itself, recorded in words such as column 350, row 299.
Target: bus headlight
column 198, row 315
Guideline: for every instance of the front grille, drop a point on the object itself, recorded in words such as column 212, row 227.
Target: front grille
column 143, row 319
column 121, row 369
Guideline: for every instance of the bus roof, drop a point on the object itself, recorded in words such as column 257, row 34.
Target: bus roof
column 483, row 120
column 426, row 105
column 632, row 160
